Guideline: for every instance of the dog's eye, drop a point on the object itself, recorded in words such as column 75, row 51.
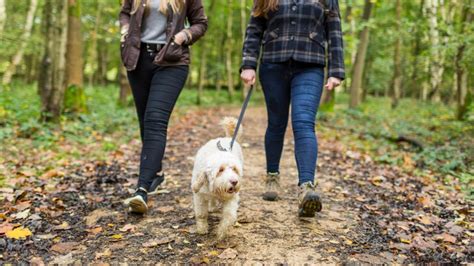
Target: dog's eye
column 234, row 168
column 221, row 169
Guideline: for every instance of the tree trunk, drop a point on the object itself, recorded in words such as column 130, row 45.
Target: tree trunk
column 23, row 41
column 358, row 69
column 51, row 85
column 397, row 74
column 461, row 72
column 3, row 16
column 75, row 99
column 93, row 57
column 414, row 84
column 125, row 89
column 243, row 29
column 228, row 52
column 203, row 62
column 437, row 52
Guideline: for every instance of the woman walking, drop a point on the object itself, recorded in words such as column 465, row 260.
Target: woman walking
column 293, row 35
column 155, row 51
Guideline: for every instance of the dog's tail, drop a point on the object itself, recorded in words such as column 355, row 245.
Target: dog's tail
column 229, row 124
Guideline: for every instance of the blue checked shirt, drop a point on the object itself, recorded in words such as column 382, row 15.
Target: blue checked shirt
column 298, row 30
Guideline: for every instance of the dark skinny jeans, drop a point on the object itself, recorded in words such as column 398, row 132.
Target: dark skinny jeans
column 155, row 91
column 300, row 86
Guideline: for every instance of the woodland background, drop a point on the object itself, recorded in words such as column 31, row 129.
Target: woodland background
column 409, row 74
column 396, row 157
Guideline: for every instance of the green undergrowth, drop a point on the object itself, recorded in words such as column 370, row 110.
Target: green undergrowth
column 91, row 136
column 446, row 151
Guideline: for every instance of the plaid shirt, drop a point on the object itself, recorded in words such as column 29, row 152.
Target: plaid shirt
column 298, row 30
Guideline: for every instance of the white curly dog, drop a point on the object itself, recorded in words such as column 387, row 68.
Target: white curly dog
column 217, row 177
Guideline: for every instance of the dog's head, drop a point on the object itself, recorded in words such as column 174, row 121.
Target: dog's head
column 225, row 179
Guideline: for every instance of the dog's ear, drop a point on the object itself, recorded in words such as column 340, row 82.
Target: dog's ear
column 199, row 182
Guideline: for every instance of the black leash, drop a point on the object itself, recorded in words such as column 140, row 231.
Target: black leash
column 239, row 121
column 241, row 116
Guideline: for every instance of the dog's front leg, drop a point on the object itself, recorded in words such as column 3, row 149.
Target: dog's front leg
column 201, row 205
column 229, row 216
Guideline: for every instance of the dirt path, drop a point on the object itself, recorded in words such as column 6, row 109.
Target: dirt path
column 372, row 213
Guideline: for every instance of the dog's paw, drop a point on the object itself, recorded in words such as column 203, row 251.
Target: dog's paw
column 222, row 232
column 202, row 228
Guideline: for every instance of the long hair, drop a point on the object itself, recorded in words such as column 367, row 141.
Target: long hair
column 176, row 5
column 262, row 7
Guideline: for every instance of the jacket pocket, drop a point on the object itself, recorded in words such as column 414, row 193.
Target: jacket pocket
column 124, row 52
column 317, row 37
column 173, row 53
column 270, row 36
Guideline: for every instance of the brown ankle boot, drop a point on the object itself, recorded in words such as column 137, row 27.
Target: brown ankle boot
column 309, row 201
column 272, row 187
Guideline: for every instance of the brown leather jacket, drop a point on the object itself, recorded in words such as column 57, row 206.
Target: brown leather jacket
column 171, row 53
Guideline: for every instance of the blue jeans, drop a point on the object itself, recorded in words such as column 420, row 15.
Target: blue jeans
column 299, row 85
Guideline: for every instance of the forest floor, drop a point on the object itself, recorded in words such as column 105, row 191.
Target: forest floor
column 372, row 213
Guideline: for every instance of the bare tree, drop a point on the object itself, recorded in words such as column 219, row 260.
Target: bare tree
column 51, row 83
column 75, row 98
column 3, row 16
column 358, row 69
column 228, row 53
column 7, row 77
column 397, row 74
column 125, row 89
column 461, row 72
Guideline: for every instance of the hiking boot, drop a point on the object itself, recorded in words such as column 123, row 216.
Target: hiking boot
column 137, row 203
column 156, row 184
column 309, row 201
column 272, row 186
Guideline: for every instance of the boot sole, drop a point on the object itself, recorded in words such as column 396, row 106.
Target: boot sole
column 137, row 205
column 310, row 205
column 270, row 196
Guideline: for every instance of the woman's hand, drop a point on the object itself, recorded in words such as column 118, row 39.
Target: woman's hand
column 248, row 76
column 333, row 83
column 180, row 38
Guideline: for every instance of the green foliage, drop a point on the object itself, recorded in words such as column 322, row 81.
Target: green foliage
column 75, row 100
column 374, row 126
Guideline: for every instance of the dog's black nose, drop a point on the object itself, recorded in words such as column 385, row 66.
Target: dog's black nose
column 234, row 182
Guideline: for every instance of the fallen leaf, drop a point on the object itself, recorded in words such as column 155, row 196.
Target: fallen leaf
column 63, row 260
column 424, row 220
column 424, row 244
column 51, row 173
column 64, row 247
column 5, row 227
column 229, row 253
column 22, row 215
column 377, row 180
column 456, row 230
column 446, row 238
column 214, row 253
column 95, row 231
column 425, row 201
column 64, row 226
column 45, row 237
column 37, row 261
column 156, row 242
column 200, row 260
column 19, row 233
column 106, row 253
column 117, row 236
column 128, row 228
column 96, row 215
column 165, row 208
